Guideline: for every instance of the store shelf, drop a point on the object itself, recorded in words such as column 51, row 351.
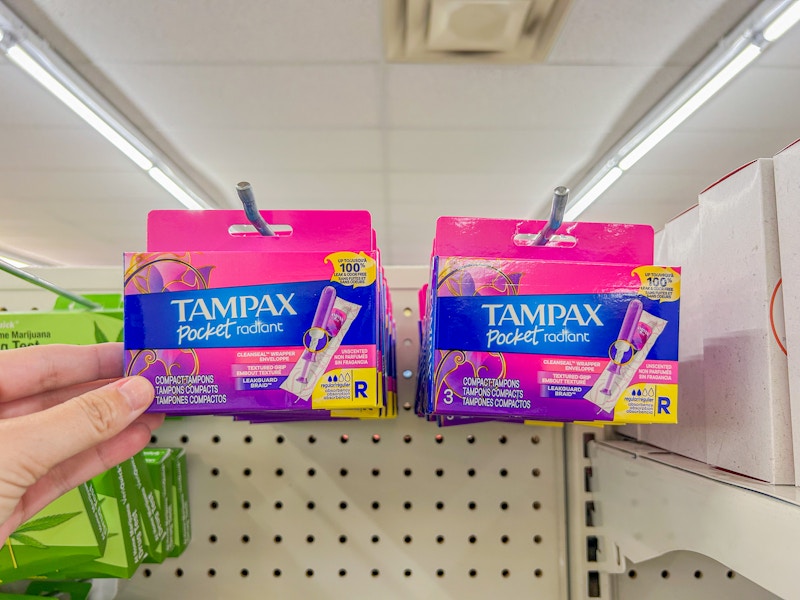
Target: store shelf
column 652, row 502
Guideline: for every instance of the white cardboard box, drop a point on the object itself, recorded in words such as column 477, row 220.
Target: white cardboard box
column 679, row 244
column 787, row 195
column 748, row 427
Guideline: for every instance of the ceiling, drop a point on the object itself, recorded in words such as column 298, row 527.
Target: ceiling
column 296, row 97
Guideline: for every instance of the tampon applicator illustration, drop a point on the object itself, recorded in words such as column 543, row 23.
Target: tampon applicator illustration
column 317, row 332
column 624, row 341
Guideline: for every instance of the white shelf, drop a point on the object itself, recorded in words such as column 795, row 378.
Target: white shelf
column 652, row 502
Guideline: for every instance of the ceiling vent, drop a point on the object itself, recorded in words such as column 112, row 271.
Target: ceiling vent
column 472, row 30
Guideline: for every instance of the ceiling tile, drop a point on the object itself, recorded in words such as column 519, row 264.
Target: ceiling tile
column 55, row 148
column 493, row 151
column 518, row 97
column 30, row 104
column 243, row 97
column 210, row 31
column 632, row 32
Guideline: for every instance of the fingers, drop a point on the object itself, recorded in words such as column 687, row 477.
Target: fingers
column 82, row 467
column 45, row 400
column 45, row 439
column 37, row 369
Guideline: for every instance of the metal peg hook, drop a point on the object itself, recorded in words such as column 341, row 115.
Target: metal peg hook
column 245, row 191
column 560, row 196
column 24, row 275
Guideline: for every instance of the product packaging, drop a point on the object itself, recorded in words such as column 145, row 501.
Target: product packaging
column 745, row 368
column 787, row 195
column 181, row 514
column 582, row 329
column 145, row 498
column 63, row 590
column 68, row 531
column 159, row 464
column 679, row 244
column 227, row 323
column 63, row 325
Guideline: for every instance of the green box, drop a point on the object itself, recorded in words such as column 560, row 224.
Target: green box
column 18, row 330
column 70, row 530
column 125, row 549
column 145, row 497
column 180, row 502
column 159, row 463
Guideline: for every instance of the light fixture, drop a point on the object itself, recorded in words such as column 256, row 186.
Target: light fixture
column 31, row 54
column 731, row 55
column 14, row 262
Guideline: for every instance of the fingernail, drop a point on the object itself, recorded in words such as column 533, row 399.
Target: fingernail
column 137, row 391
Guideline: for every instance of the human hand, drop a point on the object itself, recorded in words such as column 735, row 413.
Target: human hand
column 65, row 416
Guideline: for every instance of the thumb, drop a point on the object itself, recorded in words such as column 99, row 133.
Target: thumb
column 49, row 437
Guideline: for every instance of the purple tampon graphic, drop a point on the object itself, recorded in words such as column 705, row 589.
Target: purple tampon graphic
column 317, row 331
column 336, row 321
column 626, row 334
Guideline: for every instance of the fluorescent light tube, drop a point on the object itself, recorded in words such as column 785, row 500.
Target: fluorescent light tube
column 782, row 23
column 173, row 188
column 716, row 83
column 593, row 193
column 13, row 262
column 25, row 62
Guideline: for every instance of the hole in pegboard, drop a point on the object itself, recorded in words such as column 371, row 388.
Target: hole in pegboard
column 375, row 539
column 408, row 374
column 375, row 572
column 278, row 539
column 537, row 539
column 472, row 539
column 504, row 539
column 344, row 438
column 407, row 312
column 311, row 505
column 376, row 472
column 502, row 439
column 536, row 472
column 407, row 572
column 244, row 573
column 214, row 472
column 440, row 505
column 503, row 472
column 311, row 472
column 214, row 505
column 698, row 574
column 212, row 538
column 471, row 472
column 587, row 437
column 535, row 439
column 439, row 438
column 473, row 572
column 376, row 505
column 587, row 480
column 248, row 439
column 310, row 539
column 246, row 538
column 178, row 572
column 440, row 539
column 342, row 572
column 505, row 573
column 343, row 472
column 407, row 472
column 538, row 573
column 216, row 439
column 406, row 405
column 246, row 505
column 440, row 572
column 309, row 572
column 504, row 505
column 278, row 505
column 280, row 439
column 153, row 439
column 247, row 472
column 407, row 539
column 147, row 572
column 184, row 439
column 665, row 574
column 212, row 572
column 276, row 573
column 439, row 472
column 408, row 342
column 730, row 574
column 407, row 438
column 593, row 584
column 470, row 439
column 342, row 539
column 343, row 505
column 537, row 505
column 407, row 505
column 312, row 439
column 632, row 574
column 472, row 505
column 376, row 438
column 279, row 472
